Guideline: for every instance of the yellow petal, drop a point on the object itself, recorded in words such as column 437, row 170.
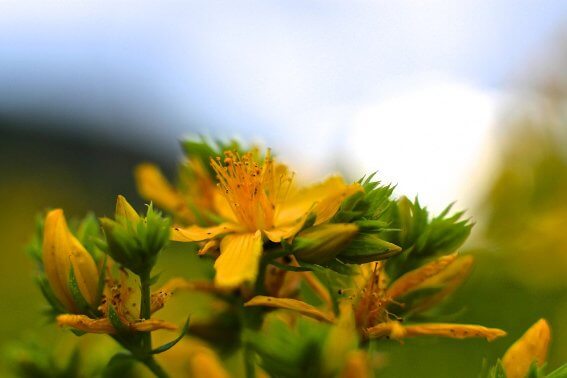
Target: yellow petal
column 60, row 250
column 86, row 324
column 323, row 199
column 342, row 338
column 196, row 233
column 413, row 279
column 239, row 259
column 222, row 207
column 125, row 210
column 291, row 304
column 395, row 330
column 103, row 325
column 277, row 234
column 204, row 363
column 153, row 186
column 85, row 270
column 152, row 325
column 447, row 280
column 357, row 365
column 532, row 346
column 210, row 245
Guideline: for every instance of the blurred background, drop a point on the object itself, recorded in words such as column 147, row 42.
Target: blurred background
column 457, row 101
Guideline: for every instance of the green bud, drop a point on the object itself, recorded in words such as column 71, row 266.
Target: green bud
column 366, row 248
column 322, row 243
column 134, row 241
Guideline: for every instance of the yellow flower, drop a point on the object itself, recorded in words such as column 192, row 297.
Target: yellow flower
column 198, row 196
column 62, row 251
column 259, row 200
column 118, row 297
column 531, row 347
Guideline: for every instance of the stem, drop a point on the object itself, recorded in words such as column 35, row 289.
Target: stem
column 145, row 312
column 151, row 363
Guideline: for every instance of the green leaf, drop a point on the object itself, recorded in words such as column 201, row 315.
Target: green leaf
column 560, row 372
column 172, row 343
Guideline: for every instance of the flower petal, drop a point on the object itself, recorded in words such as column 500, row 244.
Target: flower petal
column 239, row 259
column 276, row 234
column 291, row 304
column 204, row 363
column 395, row 330
column 153, row 186
column 532, row 346
column 323, row 199
column 60, row 250
column 196, row 233
column 86, row 324
column 103, row 325
column 413, row 279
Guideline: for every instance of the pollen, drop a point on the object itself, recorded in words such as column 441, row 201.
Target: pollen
column 253, row 189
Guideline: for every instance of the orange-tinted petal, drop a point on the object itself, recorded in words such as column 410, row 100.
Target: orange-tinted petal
column 291, row 304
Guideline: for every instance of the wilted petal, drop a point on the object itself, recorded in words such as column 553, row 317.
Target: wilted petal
column 196, row 233
column 413, row 279
column 239, row 259
column 395, row 330
column 532, row 346
column 86, row 324
column 291, row 304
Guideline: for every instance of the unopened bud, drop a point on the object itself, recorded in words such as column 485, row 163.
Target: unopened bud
column 322, row 243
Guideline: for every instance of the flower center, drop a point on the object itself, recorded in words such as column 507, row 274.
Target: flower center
column 253, row 190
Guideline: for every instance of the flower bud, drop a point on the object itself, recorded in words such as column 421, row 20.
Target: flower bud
column 65, row 257
column 324, row 242
column 133, row 241
column 124, row 210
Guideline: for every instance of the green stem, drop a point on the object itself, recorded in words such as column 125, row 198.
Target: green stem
column 145, row 312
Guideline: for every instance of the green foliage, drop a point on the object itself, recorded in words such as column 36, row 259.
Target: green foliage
column 422, row 236
column 165, row 347
column 291, row 353
column 203, row 150
column 135, row 244
column 31, row 360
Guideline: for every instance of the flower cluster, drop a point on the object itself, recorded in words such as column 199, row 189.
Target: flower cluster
column 312, row 278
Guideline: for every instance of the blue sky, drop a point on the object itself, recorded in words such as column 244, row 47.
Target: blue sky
column 296, row 74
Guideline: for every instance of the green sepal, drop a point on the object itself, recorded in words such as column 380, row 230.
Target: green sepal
column 78, row 299
column 290, row 268
column 335, row 265
column 101, row 280
column 172, row 343
column 116, row 321
column 48, row 294
column 367, row 248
